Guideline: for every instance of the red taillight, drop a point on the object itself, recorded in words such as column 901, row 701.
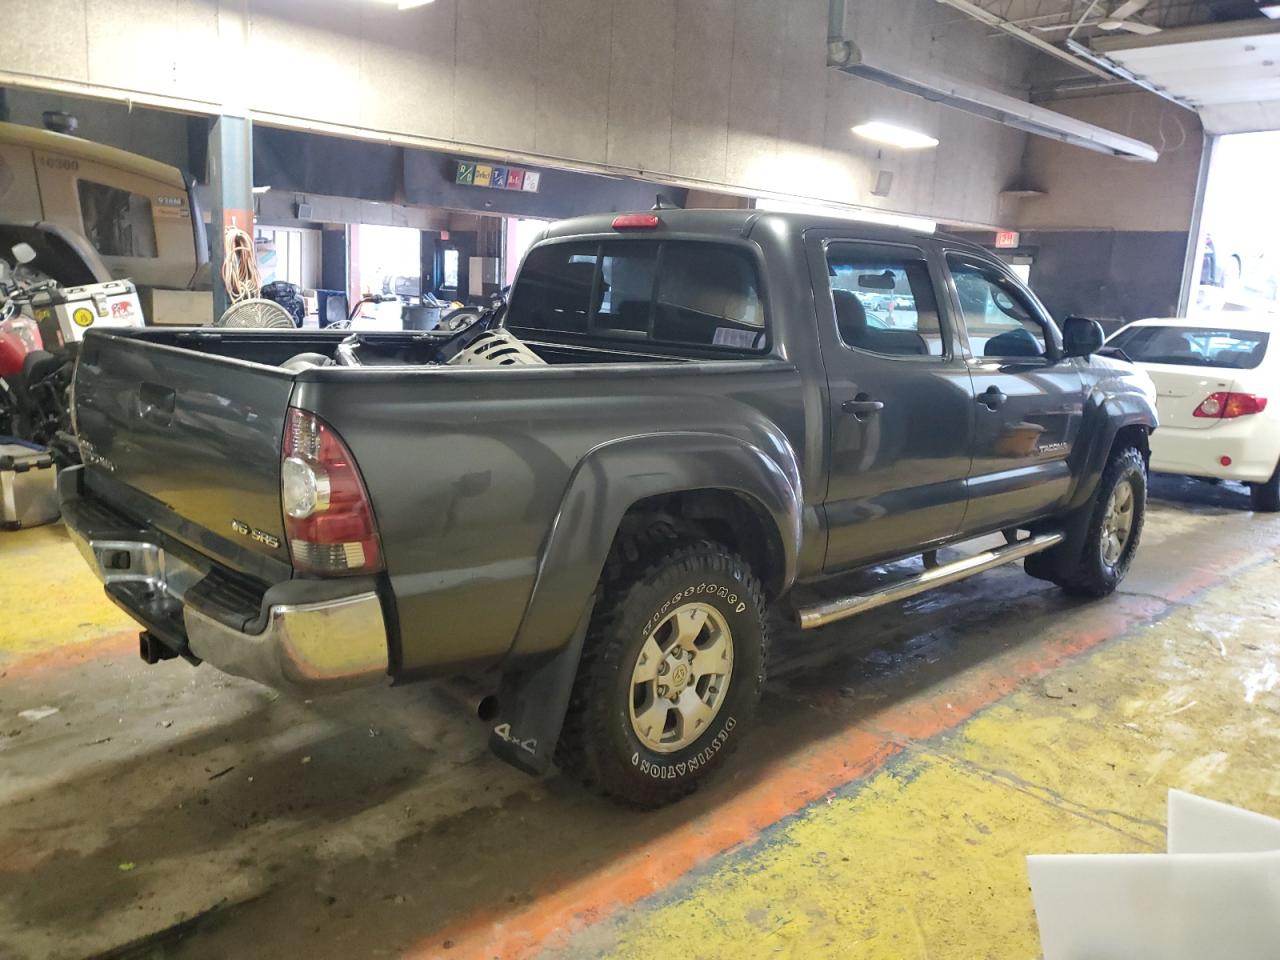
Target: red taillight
column 1224, row 406
column 636, row 221
column 328, row 519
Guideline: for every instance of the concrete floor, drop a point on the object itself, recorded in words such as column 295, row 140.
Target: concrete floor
column 906, row 763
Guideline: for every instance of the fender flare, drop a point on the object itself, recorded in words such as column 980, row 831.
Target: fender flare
column 613, row 477
column 543, row 660
column 1105, row 415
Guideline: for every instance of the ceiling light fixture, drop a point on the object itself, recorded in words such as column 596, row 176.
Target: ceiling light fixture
column 409, row 4
column 893, row 135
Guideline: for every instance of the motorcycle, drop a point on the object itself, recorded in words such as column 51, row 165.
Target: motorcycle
column 34, row 383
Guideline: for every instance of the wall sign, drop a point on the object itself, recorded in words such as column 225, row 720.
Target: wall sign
column 1007, row 239
column 473, row 173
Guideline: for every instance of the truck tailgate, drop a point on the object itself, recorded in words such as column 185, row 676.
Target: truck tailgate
column 199, row 433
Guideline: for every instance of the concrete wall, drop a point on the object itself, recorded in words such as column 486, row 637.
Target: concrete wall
column 728, row 94
column 1110, row 236
column 1091, row 191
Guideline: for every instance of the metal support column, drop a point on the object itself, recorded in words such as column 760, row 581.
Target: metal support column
column 231, row 188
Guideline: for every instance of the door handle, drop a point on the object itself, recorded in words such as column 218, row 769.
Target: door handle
column 862, row 406
column 992, row 397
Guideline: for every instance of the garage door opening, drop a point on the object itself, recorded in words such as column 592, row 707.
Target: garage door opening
column 1239, row 263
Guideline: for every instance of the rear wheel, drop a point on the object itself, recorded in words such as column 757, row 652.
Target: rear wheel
column 1265, row 496
column 671, row 671
column 1107, row 538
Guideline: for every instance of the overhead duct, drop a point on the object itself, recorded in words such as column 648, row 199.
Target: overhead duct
column 980, row 101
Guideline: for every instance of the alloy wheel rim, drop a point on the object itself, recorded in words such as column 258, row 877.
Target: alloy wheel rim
column 1117, row 522
column 681, row 677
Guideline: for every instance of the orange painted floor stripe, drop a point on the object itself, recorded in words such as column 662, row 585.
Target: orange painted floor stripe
column 69, row 655
column 552, row 919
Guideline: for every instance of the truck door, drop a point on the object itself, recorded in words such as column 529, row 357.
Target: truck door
column 1029, row 399
column 900, row 401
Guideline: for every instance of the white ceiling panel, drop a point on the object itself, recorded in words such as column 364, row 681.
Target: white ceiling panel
column 1241, row 117
column 1231, row 72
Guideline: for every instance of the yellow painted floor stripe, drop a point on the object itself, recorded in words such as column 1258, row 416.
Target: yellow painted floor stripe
column 53, row 598
column 925, row 860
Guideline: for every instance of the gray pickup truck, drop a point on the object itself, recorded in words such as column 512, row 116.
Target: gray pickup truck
column 704, row 408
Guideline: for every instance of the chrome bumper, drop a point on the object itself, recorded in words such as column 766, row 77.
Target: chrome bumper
column 335, row 643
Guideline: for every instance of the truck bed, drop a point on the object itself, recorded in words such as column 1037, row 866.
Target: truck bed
column 466, row 467
column 393, row 348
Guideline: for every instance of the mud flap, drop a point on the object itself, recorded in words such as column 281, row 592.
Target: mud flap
column 533, row 703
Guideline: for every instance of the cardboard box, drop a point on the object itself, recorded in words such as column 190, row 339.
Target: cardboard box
column 177, row 308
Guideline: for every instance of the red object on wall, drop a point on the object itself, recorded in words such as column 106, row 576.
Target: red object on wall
column 1007, row 239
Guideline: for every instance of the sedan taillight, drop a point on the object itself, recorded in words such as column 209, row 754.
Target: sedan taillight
column 328, row 518
column 1225, row 406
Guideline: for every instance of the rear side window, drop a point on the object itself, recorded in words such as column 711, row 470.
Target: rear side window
column 884, row 300
column 1193, row 346
column 680, row 293
column 118, row 223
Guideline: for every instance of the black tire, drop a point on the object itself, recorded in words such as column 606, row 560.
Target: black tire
column 1265, row 496
column 648, row 577
column 1090, row 574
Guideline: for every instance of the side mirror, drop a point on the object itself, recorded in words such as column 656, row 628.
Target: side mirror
column 1081, row 337
column 23, row 253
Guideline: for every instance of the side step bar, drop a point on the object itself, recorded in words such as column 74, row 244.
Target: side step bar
column 832, row 610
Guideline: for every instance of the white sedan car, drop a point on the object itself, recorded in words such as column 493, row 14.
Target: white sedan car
column 1213, row 378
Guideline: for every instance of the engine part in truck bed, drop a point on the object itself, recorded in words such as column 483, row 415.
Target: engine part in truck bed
column 496, row 348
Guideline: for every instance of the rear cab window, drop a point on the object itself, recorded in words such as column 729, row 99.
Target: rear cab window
column 696, row 294
column 1207, row 346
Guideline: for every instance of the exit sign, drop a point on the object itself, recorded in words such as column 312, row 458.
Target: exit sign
column 1007, row 239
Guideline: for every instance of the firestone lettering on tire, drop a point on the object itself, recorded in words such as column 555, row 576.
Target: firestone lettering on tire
column 659, row 770
column 704, row 589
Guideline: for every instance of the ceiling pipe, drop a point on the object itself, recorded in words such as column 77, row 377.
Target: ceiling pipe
column 844, row 55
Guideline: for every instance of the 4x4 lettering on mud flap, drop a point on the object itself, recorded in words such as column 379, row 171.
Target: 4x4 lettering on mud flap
column 503, row 732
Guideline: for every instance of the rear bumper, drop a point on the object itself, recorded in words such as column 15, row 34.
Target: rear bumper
column 1252, row 444
column 290, row 641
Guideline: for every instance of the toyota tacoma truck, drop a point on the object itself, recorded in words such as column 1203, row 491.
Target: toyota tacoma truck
column 681, row 416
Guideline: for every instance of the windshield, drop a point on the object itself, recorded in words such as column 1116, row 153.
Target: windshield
column 1193, row 346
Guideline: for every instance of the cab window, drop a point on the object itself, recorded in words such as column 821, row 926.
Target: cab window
column 1001, row 321
column 682, row 293
column 884, row 300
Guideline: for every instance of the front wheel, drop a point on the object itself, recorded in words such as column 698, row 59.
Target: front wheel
column 671, row 670
column 1108, row 538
